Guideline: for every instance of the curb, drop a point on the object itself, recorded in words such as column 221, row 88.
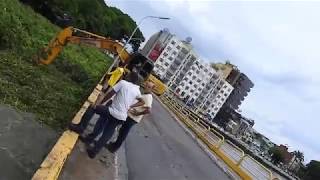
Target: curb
column 204, row 147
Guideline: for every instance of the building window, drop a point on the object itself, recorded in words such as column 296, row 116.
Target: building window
column 170, row 58
column 219, row 96
column 189, row 73
column 215, row 109
column 210, row 74
column 206, row 70
column 187, row 87
column 165, row 54
column 194, row 77
column 173, row 42
column 191, row 90
column 183, row 93
column 222, row 99
column 203, row 84
column 199, row 89
column 161, row 60
column 198, row 80
column 196, row 94
column 195, row 86
column 169, row 48
column 190, row 82
column 197, row 71
column 222, row 91
column 178, row 47
column 225, row 86
column 174, row 52
column 166, row 64
column 193, row 68
column 225, row 95
column 229, row 89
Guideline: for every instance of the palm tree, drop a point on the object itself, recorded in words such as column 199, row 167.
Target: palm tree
column 299, row 155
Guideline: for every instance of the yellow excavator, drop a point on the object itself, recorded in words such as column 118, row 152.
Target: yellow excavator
column 78, row 36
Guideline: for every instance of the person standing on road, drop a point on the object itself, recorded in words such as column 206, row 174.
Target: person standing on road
column 114, row 77
column 126, row 93
column 135, row 115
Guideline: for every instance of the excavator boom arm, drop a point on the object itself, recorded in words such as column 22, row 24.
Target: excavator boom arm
column 78, row 36
column 68, row 35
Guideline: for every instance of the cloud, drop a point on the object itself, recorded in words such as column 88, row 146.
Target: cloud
column 274, row 43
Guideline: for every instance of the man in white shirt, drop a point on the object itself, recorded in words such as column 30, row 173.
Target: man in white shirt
column 135, row 115
column 126, row 93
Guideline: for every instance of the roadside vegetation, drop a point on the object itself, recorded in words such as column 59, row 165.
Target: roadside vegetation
column 53, row 93
column 91, row 15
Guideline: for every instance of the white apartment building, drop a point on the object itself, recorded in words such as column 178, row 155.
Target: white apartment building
column 171, row 58
column 193, row 81
column 215, row 98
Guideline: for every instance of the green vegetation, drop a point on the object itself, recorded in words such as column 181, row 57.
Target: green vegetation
column 311, row 171
column 55, row 92
column 276, row 155
column 91, row 15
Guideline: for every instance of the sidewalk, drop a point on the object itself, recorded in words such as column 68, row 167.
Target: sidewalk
column 106, row 166
column 80, row 167
column 23, row 143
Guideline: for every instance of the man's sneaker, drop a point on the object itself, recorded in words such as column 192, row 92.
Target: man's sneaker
column 76, row 128
column 86, row 139
column 111, row 147
column 91, row 153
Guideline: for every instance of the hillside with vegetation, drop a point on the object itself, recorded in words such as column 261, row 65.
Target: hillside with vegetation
column 53, row 93
column 91, row 15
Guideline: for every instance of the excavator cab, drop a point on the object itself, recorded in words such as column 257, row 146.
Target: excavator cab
column 141, row 65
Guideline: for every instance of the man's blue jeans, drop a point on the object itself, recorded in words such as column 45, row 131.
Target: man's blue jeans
column 106, row 124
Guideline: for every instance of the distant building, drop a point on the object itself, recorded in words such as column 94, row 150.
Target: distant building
column 242, row 86
column 155, row 44
column 213, row 96
column 240, row 126
column 239, row 81
column 288, row 157
column 189, row 87
column 195, row 82
column 225, row 69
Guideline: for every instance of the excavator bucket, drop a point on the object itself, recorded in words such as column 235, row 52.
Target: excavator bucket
column 47, row 55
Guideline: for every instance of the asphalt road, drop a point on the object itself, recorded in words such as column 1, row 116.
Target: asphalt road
column 159, row 149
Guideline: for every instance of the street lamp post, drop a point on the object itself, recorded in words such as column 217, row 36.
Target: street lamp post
column 132, row 34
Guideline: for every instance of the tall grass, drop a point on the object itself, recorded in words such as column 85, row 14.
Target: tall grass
column 55, row 92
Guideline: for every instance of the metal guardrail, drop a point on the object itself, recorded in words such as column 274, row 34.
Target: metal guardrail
column 242, row 164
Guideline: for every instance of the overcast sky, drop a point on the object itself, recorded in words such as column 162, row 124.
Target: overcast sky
column 275, row 43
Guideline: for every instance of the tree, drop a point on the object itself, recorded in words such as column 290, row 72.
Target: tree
column 276, row 155
column 312, row 171
column 91, row 15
